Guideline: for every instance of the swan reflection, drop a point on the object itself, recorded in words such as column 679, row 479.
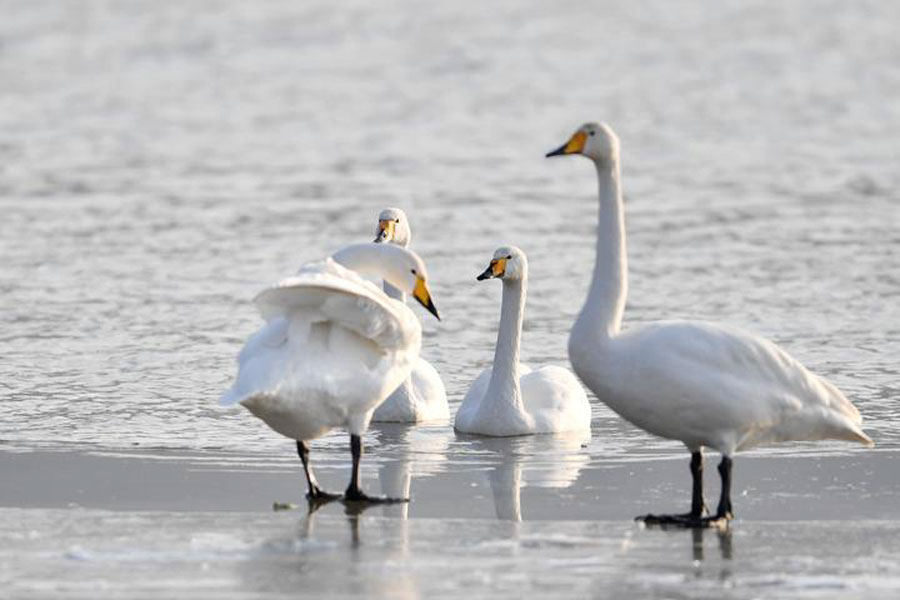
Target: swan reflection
column 544, row 461
column 420, row 451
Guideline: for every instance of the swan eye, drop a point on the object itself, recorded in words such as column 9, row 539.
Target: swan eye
column 396, row 220
column 508, row 256
column 592, row 133
column 413, row 271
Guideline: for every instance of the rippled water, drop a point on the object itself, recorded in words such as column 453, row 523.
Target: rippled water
column 162, row 162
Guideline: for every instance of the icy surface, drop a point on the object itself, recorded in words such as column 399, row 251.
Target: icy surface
column 96, row 554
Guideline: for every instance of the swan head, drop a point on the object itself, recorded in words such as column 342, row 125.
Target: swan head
column 596, row 141
column 401, row 268
column 407, row 272
column 509, row 263
column 393, row 227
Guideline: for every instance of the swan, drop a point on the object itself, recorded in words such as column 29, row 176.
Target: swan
column 704, row 384
column 509, row 398
column 422, row 396
column 332, row 349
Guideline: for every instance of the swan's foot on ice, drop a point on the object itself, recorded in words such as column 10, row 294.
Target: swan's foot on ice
column 319, row 496
column 696, row 519
column 686, row 520
column 354, row 494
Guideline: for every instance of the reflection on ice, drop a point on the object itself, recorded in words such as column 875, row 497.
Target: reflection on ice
column 549, row 461
column 421, row 450
column 105, row 554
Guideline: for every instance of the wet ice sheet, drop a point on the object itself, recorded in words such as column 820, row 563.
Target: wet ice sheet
column 97, row 554
column 510, row 479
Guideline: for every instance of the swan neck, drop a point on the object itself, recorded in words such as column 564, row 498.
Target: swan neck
column 504, row 386
column 392, row 292
column 601, row 316
column 372, row 260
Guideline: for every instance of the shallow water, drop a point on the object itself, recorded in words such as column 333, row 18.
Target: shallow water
column 159, row 168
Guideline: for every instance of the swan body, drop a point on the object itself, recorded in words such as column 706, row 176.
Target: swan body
column 333, row 346
column 509, row 398
column 704, row 384
column 421, row 396
column 710, row 385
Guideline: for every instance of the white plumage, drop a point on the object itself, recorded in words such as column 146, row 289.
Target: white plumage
column 333, row 347
column 509, row 398
column 421, row 396
column 701, row 383
column 711, row 385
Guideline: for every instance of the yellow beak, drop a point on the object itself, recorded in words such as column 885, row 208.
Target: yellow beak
column 421, row 293
column 574, row 146
column 385, row 230
column 496, row 269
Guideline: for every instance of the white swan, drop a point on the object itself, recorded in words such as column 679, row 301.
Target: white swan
column 332, row 349
column 422, row 396
column 701, row 383
column 509, row 398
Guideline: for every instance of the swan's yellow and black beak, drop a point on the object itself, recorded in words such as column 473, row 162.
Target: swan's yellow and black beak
column 496, row 269
column 385, row 231
column 574, row 146
column 421, row 293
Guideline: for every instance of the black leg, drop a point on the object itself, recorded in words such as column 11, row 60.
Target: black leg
column 315, row 494
column 695, row 518
column 354, row 493
column 725, row 511
column 697, row 505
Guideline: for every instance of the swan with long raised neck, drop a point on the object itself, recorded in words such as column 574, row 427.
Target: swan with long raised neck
column 704, row 384
column 509, row 398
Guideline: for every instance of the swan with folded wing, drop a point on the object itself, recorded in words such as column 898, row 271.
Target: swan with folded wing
column 705, row 384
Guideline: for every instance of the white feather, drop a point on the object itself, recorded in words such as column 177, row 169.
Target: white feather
column 333, row 347
column 701, row 383
column 422, row 396
column 509, row 398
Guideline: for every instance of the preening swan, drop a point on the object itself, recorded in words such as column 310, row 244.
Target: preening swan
column 421, row 397
column 509, row 398
column 701, row 383
column 332, row 349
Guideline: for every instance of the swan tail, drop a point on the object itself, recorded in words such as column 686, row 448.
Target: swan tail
column 848, row 420
column 838, row 425
column 855, row 434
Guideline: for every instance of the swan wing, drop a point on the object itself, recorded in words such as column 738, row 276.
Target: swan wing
column 332, row 348
column 728, row 388
column 420, row 398
column 344, row 297
column 467, row 412
column 555, row 400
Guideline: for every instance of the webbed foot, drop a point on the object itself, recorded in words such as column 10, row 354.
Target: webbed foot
column 357, row 495
column 687, row 520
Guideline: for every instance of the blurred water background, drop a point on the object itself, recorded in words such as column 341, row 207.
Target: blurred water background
column 161, row 162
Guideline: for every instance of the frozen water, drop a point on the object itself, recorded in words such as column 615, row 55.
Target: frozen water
column 161, row 162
